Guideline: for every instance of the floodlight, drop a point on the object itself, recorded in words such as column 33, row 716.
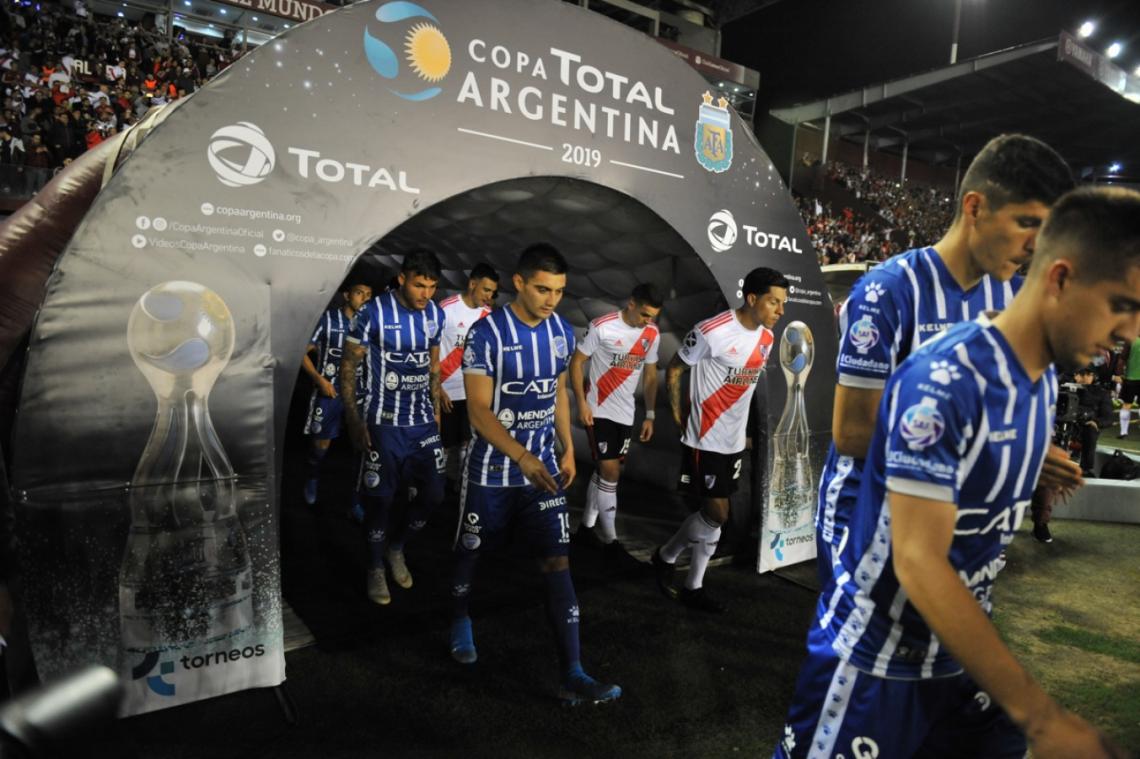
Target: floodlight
column 1114, row 50
column 1086, row 29
column 1114, row 168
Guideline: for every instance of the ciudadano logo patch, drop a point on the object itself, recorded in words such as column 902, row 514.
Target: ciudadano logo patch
column 426, row 54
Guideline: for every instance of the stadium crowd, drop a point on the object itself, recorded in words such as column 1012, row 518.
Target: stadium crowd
column 905, row 214
column 72, row 79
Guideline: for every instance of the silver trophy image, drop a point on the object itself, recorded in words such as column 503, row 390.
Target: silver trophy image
column 792, row 485
column 185, row 584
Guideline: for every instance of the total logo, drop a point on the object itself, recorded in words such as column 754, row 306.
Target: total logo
column 241, row 155
column 723, row 233
column 427, row 55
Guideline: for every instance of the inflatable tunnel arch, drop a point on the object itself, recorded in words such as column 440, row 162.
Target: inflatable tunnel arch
column 201, row 267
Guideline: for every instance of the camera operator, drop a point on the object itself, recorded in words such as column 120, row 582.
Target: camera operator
column 1084, row 407
column 1093, row 414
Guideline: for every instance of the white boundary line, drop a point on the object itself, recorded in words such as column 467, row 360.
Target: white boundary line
column 504, row 139
column 646, row 168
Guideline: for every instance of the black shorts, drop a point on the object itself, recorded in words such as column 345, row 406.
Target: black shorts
column 608, row 439
column 708, row 474
column 1129, row 390
column 454, row 427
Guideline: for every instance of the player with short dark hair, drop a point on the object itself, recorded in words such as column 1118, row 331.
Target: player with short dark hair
column 461, row 310
column 514, row 372
column 619, row 346
column 325, row 408
column 727, row 353
column 902, row 657
column 399, row 331
column 1005, row 198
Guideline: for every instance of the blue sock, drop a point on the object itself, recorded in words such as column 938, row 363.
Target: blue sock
column 376, row 527
column 461, row 584
column 313, row 461
column 562, row 611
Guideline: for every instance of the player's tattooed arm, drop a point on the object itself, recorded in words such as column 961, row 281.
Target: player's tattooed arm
column 677, row 368
column 354, row 353
column 436, row 383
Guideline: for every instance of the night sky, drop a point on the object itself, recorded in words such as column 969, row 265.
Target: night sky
column 808, row 49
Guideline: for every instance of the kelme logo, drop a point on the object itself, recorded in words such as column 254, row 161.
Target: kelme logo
column 241, row 154
column 426, row 58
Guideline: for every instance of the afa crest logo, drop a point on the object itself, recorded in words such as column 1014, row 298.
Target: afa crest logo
column 713, row 139
column 427, row 55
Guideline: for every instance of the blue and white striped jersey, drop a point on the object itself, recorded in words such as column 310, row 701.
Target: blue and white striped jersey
column 892, row 310
column 329, row 338
column 525, row 363
column 960, row 422
column 399, row 342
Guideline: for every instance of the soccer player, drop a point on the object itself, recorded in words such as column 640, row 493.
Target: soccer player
column 727, row 353
column 325, row 407
column 514, row 371
column 460, row 311
column 619, row 346
column 400, row 333
column 1003, row 201
column 902, row 658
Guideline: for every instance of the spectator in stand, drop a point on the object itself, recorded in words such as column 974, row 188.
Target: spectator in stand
column 38, row 164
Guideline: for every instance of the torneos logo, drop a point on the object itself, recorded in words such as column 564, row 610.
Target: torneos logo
column 722, row 230
column 241, row 154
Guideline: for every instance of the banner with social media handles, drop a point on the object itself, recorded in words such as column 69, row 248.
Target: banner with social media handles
column 160, row 370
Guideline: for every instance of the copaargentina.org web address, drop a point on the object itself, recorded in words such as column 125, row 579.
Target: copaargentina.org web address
column 257, row 213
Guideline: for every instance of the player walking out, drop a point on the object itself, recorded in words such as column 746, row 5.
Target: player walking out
column 514, row 371
column 727, row 354
column 325, row 406
column 902, row 657
column 460, row 312
column 1003, row 201
column 400, row 332
column 620, row 346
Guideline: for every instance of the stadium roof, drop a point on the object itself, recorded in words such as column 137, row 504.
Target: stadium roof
column 1057, row 90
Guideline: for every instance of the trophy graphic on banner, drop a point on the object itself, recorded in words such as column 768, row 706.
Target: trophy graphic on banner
column 792, row 485
column 185, row 584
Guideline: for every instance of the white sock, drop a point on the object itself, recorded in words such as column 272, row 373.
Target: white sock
column 607, row 510
column 692, row 531
column 590, row 514
column 702, row 552
column 1125, row 416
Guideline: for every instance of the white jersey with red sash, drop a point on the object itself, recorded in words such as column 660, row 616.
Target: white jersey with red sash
column 617, row 352
column 727, row 360
column 459, row 318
